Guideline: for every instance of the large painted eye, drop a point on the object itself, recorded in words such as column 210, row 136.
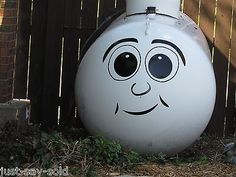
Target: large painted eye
column 124, row 63
column 162, row 64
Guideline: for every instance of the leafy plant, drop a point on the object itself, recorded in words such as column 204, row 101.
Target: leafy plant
column 14, row 148
column 203, row 159
column 107, row 151
column 133, row 157
column 159, row 158
column 91, row 172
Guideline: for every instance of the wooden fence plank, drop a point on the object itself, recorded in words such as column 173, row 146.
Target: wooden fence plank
column 22, row 52
column 230, row 125
column 89, row 19
column 72, row 16
column 224, row 13
column 231, row 117
column 55, row 23
column 70, row 60
column 207, row 19
column 120, row 5
column 88, row 24
column 233, row 42
column 38, row 34
column 107, row 8
column 191, row 8
column 222, row 45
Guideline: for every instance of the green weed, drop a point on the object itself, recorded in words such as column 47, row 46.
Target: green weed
column 108, row 151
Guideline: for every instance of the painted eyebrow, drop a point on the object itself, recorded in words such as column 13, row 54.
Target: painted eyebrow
column 172, row 45
column 118, row 42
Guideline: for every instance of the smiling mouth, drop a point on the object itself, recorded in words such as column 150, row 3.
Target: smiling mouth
column 142, row 112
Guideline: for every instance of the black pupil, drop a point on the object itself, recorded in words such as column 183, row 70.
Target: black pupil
column 160, row 66
column 125, row 64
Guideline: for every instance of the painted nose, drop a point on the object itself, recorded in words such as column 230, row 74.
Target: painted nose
column 140, row 93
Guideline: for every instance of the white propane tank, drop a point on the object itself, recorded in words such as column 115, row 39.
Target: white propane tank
column 167, row 7
column 147, row 80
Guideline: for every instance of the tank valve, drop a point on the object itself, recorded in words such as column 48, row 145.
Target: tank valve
column 151, row 10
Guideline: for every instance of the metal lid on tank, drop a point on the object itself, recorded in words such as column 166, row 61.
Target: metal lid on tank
column 165, row 7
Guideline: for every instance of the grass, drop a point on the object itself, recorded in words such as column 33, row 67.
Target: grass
column 92, row 155
column 36, row 149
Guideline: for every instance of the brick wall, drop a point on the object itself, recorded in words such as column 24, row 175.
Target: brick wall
column 8, row 27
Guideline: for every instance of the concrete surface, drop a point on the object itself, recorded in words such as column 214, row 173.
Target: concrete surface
column 17, row 110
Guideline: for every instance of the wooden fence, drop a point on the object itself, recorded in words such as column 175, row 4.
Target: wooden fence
column 52, row 32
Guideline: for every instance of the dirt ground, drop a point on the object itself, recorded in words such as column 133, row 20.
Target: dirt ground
column 187, row 170
column 204, row 159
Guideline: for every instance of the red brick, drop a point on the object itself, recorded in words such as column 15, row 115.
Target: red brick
column 6, row 67
column 11, row 51
column 4, row 91
column 4, row 52
column 9, row 20
column 7, row 60
column 8, row 4
column 7, row 36
column 8, row 12
column 6, row 83
column 7, row 1
column 6, row 75
column 8, row 28
column 7, row 44
column 5, row 99
column 3, row 76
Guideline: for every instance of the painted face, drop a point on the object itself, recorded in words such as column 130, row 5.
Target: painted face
column 161, row 64
column 153, row 93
